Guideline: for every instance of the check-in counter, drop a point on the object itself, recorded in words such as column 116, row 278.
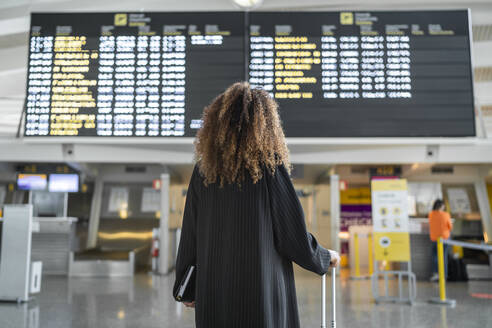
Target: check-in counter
column 52, row 240
column 420, row 246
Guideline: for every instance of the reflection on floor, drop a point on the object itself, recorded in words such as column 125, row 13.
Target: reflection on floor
column 145, row 301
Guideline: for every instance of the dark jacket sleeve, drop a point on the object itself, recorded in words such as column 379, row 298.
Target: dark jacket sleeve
column 187, row 244
column 292, row 240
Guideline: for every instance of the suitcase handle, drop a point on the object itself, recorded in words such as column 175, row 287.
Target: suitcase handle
column 333, row 299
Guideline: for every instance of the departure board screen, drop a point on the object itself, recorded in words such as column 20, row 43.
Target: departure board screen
column 334, row 74
column 365, row 74
column 129, row 74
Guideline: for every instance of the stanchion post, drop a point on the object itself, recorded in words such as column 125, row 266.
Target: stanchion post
column 442, row 277
column 356, row 253
column 441, row 270
column 369, row 250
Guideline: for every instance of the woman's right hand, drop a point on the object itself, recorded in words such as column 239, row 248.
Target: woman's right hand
column 335, row 258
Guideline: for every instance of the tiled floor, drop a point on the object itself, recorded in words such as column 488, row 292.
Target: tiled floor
column 145, row 301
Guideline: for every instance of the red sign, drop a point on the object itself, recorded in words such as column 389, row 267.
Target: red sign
column 156, row 184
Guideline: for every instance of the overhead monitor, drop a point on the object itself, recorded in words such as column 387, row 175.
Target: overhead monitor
column 31, row 181
column 334, row 74
column 63, row 183
column 366, row 74
column 129, row 74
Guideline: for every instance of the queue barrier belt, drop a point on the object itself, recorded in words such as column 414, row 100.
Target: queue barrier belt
column 483, row 247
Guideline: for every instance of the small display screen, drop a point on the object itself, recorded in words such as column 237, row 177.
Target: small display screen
column 31, row 181
column 63, row 183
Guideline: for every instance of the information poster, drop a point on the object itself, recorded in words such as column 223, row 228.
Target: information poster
column 151, row 200
column 390, row 220
column 459, row 201
column 424, row 194
column 118, row 199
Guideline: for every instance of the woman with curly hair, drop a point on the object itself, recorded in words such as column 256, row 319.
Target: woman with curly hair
column 243, row 224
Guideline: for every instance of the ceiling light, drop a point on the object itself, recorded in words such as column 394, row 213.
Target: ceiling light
column 248, row 4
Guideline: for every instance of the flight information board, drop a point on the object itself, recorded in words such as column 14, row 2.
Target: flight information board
column 129, row 74
column 334, row 74
column 366, row 74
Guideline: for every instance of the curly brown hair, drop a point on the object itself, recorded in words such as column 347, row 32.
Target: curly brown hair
column 241, row 132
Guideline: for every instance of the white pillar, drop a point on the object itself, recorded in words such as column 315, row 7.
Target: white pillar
column 335, row 211
column 484, row 206
column 95, row 214
column 164, row 235
column 480, row 125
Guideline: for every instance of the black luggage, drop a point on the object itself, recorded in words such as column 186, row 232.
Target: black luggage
column 456, row 269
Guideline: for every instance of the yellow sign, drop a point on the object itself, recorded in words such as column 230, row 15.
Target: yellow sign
column 355, row 196
column 346, row 18
column 120, row 19
column 390, row 220
column 392, row 246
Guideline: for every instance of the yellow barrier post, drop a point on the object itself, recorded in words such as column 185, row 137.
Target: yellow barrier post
column 442, row 278
column 441, row 270
column 356, row 258
column 369, row 250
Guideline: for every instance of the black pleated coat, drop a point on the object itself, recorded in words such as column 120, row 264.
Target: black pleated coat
column 243, row 241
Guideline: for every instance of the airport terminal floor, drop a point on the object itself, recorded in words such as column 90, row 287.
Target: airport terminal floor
column 146, row 301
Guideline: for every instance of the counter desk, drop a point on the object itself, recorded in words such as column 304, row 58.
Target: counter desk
column 52, row 240
column 420, row 246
